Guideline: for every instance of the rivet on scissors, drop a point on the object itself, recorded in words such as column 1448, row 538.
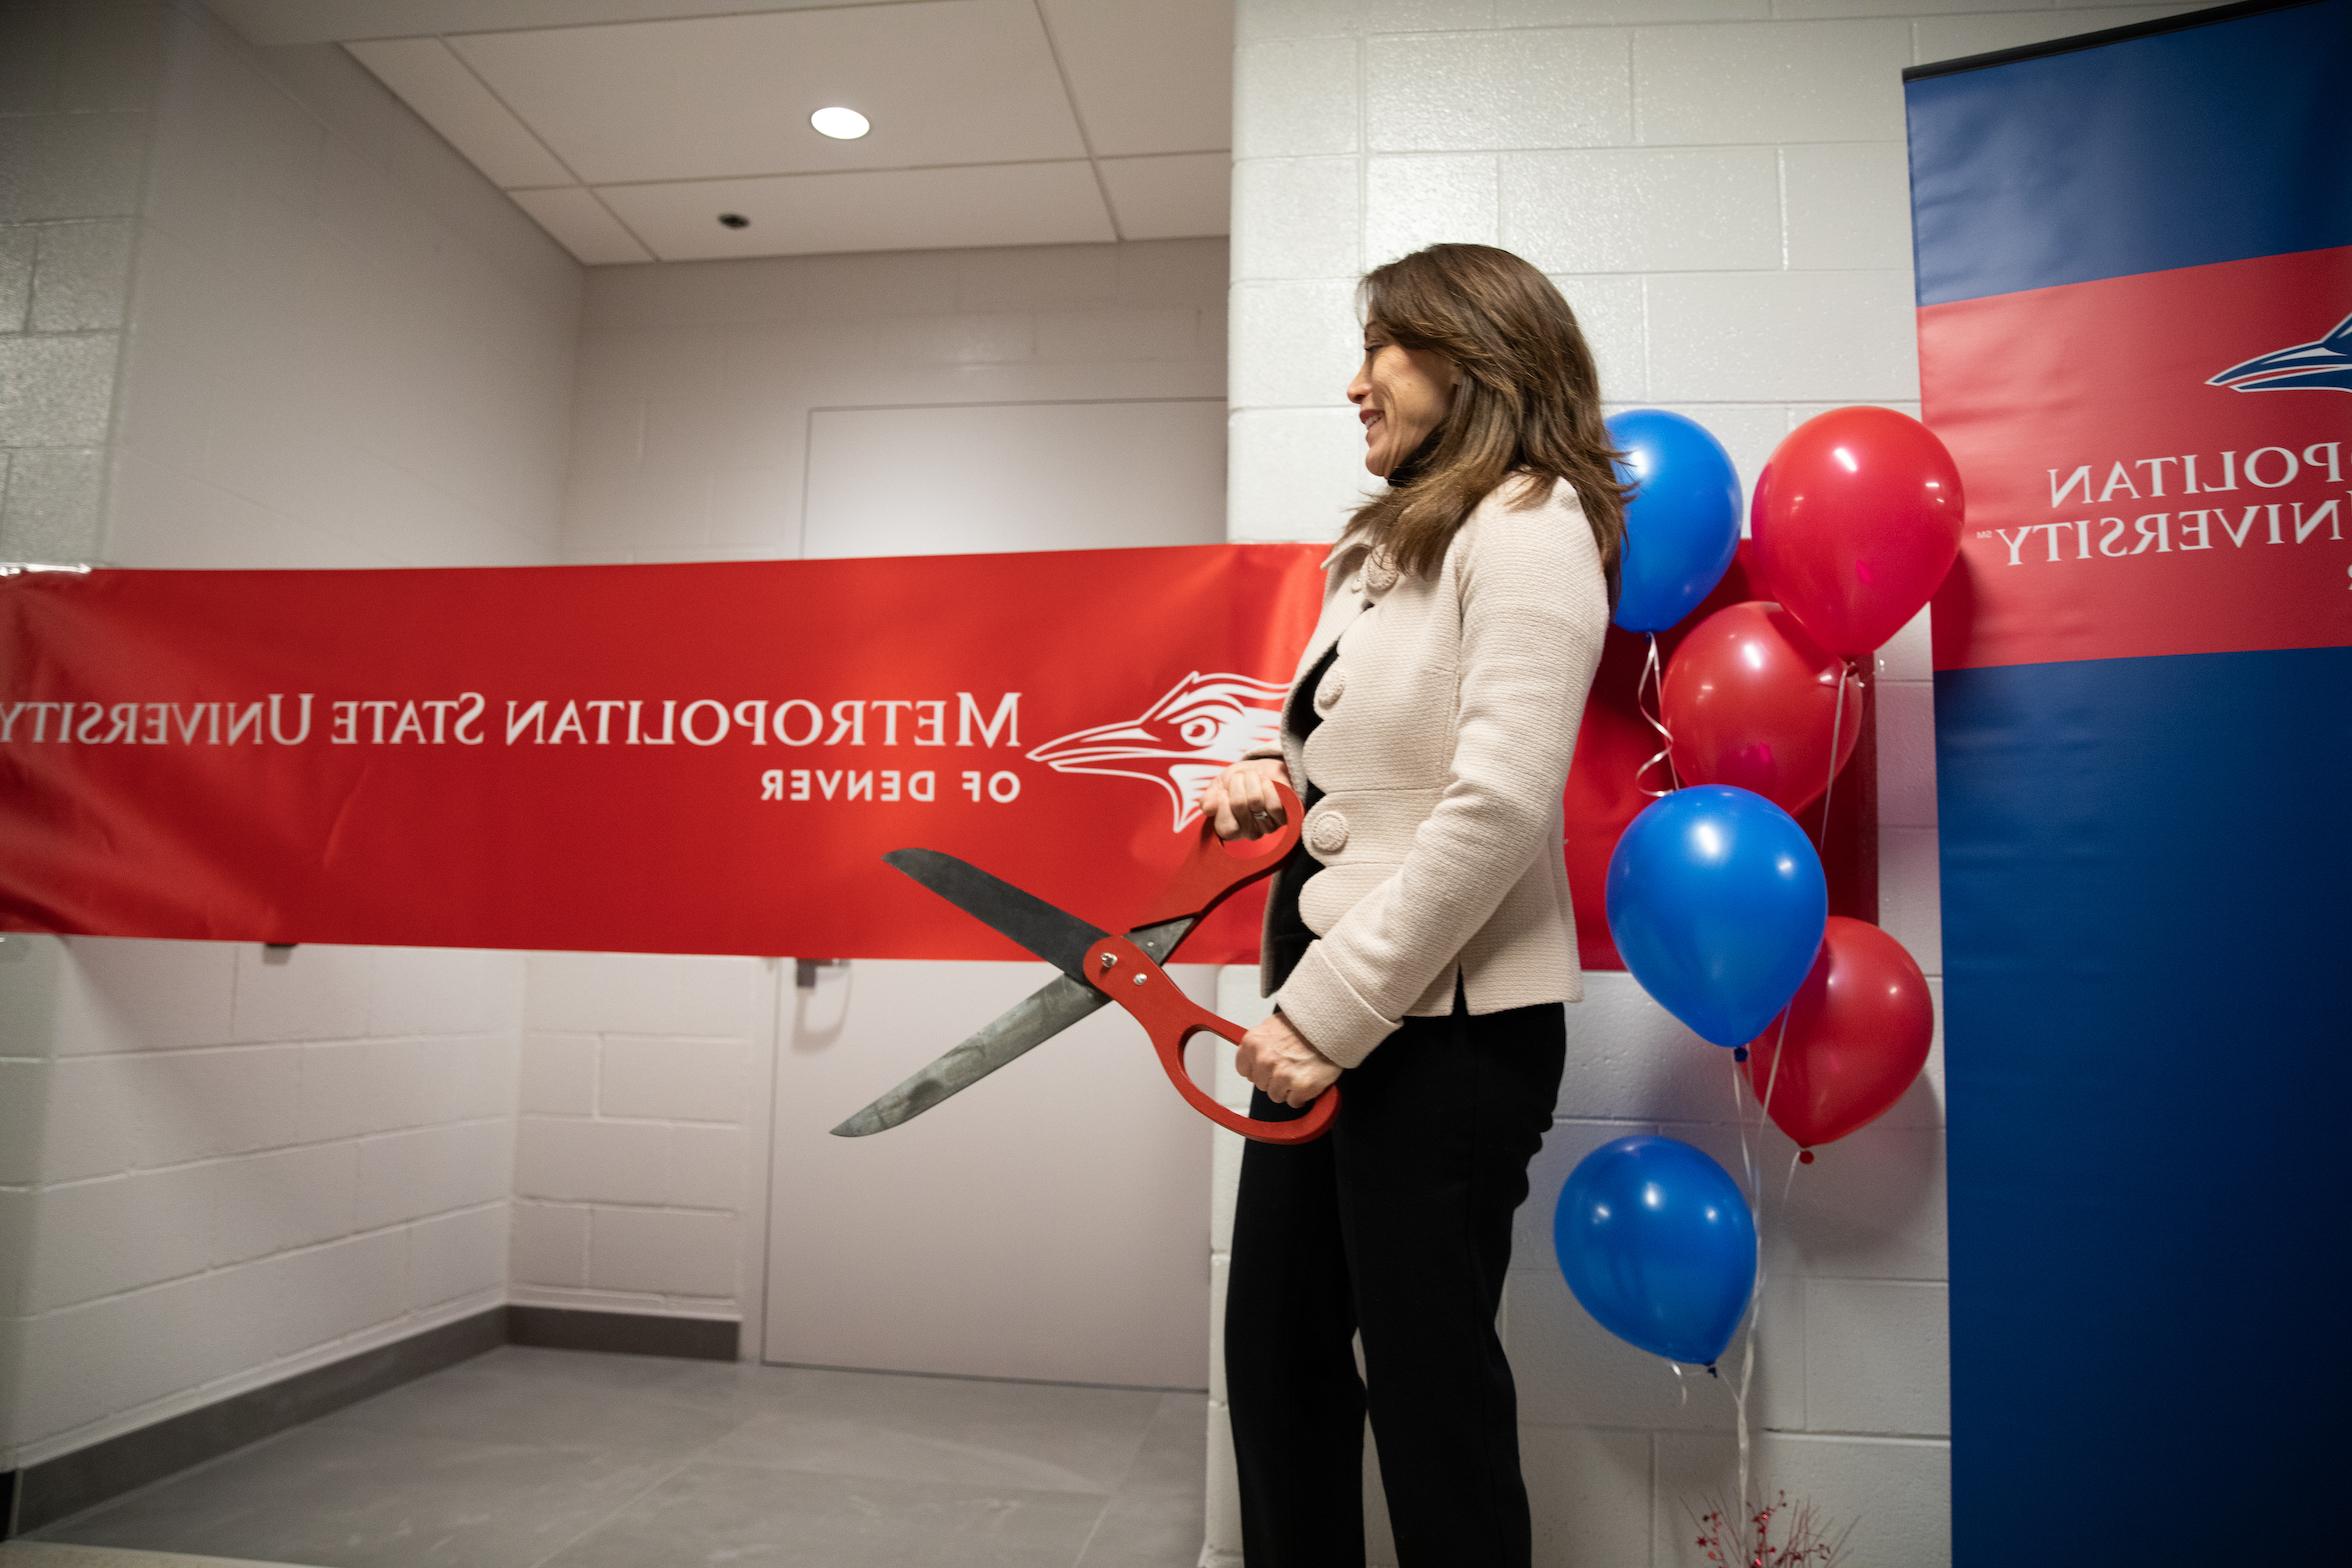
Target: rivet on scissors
column 1108, row 959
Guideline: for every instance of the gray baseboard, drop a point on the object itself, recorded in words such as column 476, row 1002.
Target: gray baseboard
column 43, row 1493
column 635, row 1333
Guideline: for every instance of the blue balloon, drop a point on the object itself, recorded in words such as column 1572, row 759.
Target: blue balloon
column 1682, row 521
column 1656, row 1241
column 1717, row 904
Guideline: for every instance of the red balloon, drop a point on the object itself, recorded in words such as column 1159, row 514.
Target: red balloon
column 1856, row 519
column 1603, row 793
column 1751, row 700
column 1858, row 1033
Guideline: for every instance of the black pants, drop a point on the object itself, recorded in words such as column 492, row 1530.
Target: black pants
column 1396, row 1222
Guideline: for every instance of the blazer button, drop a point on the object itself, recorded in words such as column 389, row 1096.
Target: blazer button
column 1328, row 832
column 1327, row 691
column 1380, row 574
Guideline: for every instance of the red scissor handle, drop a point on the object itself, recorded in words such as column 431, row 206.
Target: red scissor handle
column 1129, row 976
column 1126, row 974
column 1216, row 866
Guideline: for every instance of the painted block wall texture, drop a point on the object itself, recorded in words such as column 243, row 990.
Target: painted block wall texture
column 632, row 1181
column 641, row 1173
column 1719, row 188
column 219, row 1166
column 696, row 382
column 76, row 114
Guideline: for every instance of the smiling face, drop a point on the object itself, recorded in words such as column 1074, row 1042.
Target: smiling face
column 1400, row 395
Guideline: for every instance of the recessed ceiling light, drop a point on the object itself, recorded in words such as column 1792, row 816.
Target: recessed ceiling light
column 843, row 124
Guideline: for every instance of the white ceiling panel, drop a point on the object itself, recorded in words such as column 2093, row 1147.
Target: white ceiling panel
column 582, row 225
column 628, row 126
column 882, row 209
column 952, row 81
column 1148, row 75
column 437, row 85
column 1170, row 198
column 322, row 21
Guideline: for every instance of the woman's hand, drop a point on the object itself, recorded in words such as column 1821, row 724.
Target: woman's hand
column 1277, row 1058
column 1240, row 802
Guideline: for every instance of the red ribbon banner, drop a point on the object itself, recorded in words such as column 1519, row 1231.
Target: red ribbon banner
column 704, row 757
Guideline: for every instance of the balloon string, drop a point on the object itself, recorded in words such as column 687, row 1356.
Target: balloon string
column 1652, row 674
column 1764, row 1112
column 1739, row 1394
column 1739, row 1399
column 1772, row 1078
column 1836, row 719
column 1739, row 1118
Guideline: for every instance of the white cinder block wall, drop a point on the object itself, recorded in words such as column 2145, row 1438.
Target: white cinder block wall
column 337, row 346
column 1719, row 188
column 646, row 1085
column 640, row 1111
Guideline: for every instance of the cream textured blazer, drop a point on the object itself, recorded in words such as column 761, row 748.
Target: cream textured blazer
column 1448, row 718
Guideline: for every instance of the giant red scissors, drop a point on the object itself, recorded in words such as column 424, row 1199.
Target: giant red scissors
column 1098, row 967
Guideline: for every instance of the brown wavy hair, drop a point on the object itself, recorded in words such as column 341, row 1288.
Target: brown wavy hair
column 1528, row 402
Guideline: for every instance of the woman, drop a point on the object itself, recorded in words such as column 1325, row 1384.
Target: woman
column 1420, row 938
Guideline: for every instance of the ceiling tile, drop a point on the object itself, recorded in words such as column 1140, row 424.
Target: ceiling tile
column 894, row 209
column 944, row 82
column 451, row 99
column 582, row 225
column 1173, row 197
column 268, row 22
column 1149, row 76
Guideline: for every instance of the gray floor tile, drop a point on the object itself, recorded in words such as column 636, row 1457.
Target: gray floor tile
column 56, row 1554
column 347, row 1497
column 619, row 1407
column 1148, row 1532
column 712, row 1514
column 1174, row 1458
column 1158, row 1516
column 602, row 1459
column 591, row 1368
column 969, row 1431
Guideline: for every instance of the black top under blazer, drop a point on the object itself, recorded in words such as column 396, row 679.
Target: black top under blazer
column 1288, row 933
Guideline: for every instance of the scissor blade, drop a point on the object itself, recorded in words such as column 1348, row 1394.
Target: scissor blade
column 1036, row 1018
column 1055, row 935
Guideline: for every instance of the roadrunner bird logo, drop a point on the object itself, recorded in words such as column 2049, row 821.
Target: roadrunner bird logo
column 2325, row 364
column 1188, row 737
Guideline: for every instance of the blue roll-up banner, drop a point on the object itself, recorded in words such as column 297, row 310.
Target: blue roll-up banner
column 2134, row 258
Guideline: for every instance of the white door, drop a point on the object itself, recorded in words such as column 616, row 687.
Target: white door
column 1051, row 1221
